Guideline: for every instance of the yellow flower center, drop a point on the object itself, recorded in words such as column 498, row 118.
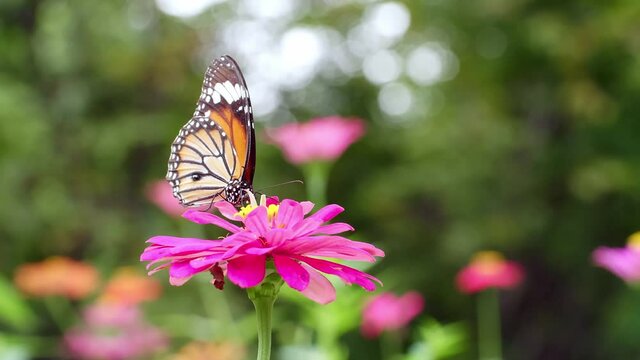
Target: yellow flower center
column 487, row 262
column 245, row 210
column 634, row 241
column 272, row 211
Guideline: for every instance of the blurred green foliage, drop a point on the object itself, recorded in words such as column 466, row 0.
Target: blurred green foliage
column 530, row 149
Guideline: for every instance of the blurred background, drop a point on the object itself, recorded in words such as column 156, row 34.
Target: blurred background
column 508, row 125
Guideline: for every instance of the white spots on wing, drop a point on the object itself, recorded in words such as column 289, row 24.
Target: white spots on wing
column 230, row 92
column 216, row 97
column 222, row 90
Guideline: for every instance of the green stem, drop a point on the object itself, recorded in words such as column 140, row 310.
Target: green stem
column 264, row 310
column 316, row 176
column 489, row 333
column 263, row 297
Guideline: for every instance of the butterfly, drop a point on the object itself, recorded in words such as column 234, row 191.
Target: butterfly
column 214, row 155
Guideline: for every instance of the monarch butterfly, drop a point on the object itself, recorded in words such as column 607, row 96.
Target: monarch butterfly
column 213, row 157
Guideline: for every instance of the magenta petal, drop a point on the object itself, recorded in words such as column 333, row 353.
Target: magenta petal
column 256, row 221
column 259, row 250
column 178, row 281
column 206, row 261
column 335, row 228
column 227, row 210
column 272, row 200
column 327, row 213
column 200, row 217
column 174, row 240
column 182, row 269
column 307, row 206
column 347, row 274
column 292, row 272
column 277, row 237
column 240, row 248
column 289, row 214
column 320, row 288
column 306, row 227
column 246, row 271
column 334, row 247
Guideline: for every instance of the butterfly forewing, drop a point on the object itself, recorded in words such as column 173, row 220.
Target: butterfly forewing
column 216, row 148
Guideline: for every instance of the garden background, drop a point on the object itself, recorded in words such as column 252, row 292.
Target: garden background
column 508, row 125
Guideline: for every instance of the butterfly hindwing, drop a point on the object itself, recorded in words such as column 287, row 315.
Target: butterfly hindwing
column 213, row 156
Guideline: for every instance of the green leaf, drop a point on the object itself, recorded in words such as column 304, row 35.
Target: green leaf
column 14, row 310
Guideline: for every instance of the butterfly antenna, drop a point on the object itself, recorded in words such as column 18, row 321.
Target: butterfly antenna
column 276, row 185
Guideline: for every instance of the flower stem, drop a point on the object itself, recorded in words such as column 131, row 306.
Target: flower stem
column 316, row 176
column 489, row 333
column 263, row 297
column 264, row 309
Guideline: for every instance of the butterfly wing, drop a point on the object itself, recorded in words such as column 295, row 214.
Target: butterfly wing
column 217, row 146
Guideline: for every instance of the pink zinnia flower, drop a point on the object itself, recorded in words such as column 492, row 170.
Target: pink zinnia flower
column 159, row 192
column 390, row 312
column 623, row 262
column 488, row 269
column 113, row 333
column 280, row 233
column 321, row 139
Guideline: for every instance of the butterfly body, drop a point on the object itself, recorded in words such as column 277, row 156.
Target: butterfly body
column 213, row 156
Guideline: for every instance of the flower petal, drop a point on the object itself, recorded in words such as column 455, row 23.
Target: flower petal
column 181, row 272
column 327, row 213
column 200, row 217
column 306, row 227
column 307, row 206
column 289, row 214
column 335, row 228
column 277, row 237
column 320, row 288
column 313, row 222
column 206, row 261
column 174, row 240
column 334, row 247
column 241, row 248
column 178, row 281
column 348, row 274
column 246, row 271
column 272, row 200
column 227, row 210
column 256, row 221
column 292, row 272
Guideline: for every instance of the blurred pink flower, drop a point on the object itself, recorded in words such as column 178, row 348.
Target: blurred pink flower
column 159, row 192
column 488, row 269
column 318, row 139
column 623, row 262
column 102, row 314
column 113, row 333
column 390, row 312
column 278, row 233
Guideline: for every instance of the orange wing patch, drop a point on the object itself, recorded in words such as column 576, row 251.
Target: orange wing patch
column 236, row 132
